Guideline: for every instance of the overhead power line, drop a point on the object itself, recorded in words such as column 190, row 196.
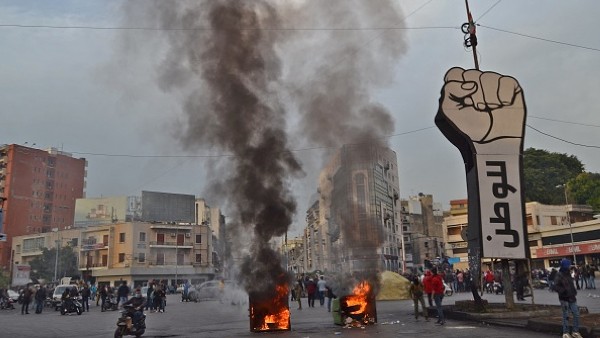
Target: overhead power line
column 562, row 121
column 563, row 140
column 541, row 39
column 233, row 28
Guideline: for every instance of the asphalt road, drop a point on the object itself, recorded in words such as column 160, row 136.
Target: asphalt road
column 215, row 319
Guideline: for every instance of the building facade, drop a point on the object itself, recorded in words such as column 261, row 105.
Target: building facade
column 422, row 221
column 40, row 188
column 354, row 225
column 133, row 251
column 554, row 232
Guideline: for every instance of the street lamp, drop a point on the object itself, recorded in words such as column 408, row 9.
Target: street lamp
column 57, row 241
column 564, row 186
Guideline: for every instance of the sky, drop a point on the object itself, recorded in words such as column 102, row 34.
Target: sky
column 82, row 91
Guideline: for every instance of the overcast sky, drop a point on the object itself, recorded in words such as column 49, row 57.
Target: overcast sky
column 76, row 90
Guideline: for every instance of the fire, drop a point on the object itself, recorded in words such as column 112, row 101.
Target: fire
column 358, row 300
column 271, row 313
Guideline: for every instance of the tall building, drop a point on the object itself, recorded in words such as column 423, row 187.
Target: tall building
column 40, row 188
column 356, row 227
column 422, row 226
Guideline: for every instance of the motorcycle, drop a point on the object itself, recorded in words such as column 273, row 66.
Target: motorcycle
column 7, row 303
column 111, row 303
column 125, row 325
column 71, row 305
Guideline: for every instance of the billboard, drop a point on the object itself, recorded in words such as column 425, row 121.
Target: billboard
column 21, row 275
column 103, row 210
column 167, row 207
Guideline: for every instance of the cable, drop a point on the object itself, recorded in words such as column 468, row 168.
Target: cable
column 489, row 9
column 231, row 155
column 563, row 140
column 240, row 29
column 568, row 122
column 542, row 39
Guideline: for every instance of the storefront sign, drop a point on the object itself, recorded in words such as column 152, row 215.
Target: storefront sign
column 568, row 250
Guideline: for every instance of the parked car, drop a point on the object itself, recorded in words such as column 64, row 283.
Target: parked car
column 14, row 295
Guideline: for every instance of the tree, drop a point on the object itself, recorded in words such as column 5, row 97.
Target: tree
column 4, row 278
column 42, row 267
column 585, row 189
column 544, row 171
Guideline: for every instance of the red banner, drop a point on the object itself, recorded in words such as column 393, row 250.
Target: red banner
column 567, row 250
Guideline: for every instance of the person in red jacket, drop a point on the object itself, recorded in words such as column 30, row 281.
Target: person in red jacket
column 437, row 284
column 427, row 287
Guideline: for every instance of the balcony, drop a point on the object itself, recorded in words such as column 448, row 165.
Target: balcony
column 96, row 246
column 96, row 266
column 184, row 245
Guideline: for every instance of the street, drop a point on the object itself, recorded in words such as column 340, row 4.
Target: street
column 215, row 319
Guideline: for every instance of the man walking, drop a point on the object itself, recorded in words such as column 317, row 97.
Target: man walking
column 322, row 286
column 27, row 293
column 123, row 293
column 437, row 286
column 565, row 288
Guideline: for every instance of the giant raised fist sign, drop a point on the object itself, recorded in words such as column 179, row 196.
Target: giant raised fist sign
column 483, row 115
column 481, row 108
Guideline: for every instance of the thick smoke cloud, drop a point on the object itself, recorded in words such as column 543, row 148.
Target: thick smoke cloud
column 226, row 63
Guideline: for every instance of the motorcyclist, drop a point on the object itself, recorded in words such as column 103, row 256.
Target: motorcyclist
column 137, row 301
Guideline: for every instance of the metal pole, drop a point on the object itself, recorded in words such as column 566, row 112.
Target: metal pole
column 570, row 227
column 472, row 35
column 176, row 256
column 56, row 260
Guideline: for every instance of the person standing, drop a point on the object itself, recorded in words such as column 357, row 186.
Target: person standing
column 27, row 293
column 311, row 291
column 322, row 287
column 123, row 293
column 40, row 297
column 417, row 295
column 103, row 293
column 564, row 286
column 85, row 298
column 330, row 296
column 298, row 292
column 427, row 287
column 437, row 286
column 149, row 298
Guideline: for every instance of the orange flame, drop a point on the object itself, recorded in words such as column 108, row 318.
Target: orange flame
column 281, row 318
column 359, row 297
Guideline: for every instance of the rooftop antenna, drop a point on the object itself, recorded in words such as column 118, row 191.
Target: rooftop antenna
column 469, row 28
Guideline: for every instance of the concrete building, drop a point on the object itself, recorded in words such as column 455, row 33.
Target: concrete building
column 354, row 226
column 131, row 251
column 422, row 226
column 549, row 229
column 40, row 188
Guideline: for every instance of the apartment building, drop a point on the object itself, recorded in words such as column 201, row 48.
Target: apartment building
column 355, row 224
column 40, row 188
column 554, row 232
column 133, row 251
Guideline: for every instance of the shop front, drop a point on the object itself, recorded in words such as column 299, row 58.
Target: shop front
column 585, row 253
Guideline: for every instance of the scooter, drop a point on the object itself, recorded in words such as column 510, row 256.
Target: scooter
column 7, row 303
column 125, row 326
column 111, row 303
column 71, row 305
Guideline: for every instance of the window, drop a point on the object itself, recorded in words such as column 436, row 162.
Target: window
column 160, row 258
column 142, row 236
column 180, row 258
column 121, row 257
column 105, row 240
column 104, row 260
column 122, row 237
column 198, row 239
column 198, row 258
column 141, row 257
